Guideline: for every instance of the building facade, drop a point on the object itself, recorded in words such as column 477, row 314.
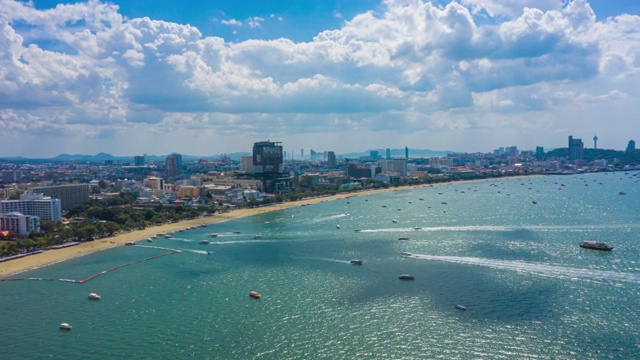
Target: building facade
column 171, row 166
column 45, row 207
column 576, row 148
column 69, row 195
column 332, row 162
column 268, row 165
column 19, row 223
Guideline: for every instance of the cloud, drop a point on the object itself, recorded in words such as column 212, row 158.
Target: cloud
column 84, row 67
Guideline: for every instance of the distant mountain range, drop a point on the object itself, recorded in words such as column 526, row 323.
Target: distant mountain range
column 101, row 157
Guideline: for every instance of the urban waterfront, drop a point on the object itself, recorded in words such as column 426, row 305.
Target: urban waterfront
column 507, row 250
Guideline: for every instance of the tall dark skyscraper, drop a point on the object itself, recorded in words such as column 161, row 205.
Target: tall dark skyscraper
column 406, row 152
column 171, row 166
column 631, row 146
column 331, row 159
column 388, row 157
column 595, row 141
column 269, row 166
column 576, row 148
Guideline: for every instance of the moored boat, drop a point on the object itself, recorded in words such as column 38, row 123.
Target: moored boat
column 254, row 294
column 65, row 326
column 405, row 277
column 93, row 296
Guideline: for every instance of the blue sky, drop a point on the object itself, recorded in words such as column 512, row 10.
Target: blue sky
column 134, row 77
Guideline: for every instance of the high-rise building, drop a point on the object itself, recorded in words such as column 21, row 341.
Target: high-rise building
column 373, row 154
column 331, row 159
column 269, row 166
column 400, row 166
column 246, row 164
column 178, row 160
column 406, row 152
column 595, row 141
column 19, row 223
column 138, row 160
column 70, row 195
column 576, row 148
column 388, row 157
column 539, row 152
column 45, row 207
column 301, row 154
column 631, row 146
column 171, row 166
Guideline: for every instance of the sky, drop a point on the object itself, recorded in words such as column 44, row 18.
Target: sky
column 155, row 77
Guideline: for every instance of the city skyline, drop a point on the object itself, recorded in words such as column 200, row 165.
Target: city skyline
column 129, row 78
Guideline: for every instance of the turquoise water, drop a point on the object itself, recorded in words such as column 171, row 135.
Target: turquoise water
column 529, row 289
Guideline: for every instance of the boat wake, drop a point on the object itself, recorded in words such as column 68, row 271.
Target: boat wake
column 490, row 228
column 180, row 239
column 324, row 259
column 548, row 270
column 327, row 218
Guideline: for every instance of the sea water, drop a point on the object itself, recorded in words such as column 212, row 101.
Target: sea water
column 507, row 250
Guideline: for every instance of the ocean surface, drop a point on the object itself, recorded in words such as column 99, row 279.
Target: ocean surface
column 507, row 250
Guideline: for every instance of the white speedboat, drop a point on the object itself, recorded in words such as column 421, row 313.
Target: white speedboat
column 65, row 326
column 356, row 262
column 405, row 277
column 93, row 296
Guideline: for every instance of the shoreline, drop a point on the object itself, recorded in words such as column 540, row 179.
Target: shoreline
column 54, row 256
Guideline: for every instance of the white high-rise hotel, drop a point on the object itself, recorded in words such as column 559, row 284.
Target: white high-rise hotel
column 46, row 208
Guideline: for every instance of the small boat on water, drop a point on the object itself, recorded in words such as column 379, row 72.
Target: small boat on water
column 150, row 240
column 596, row 245
column 357, row 230
column 417, row 228
column 93, row 296
column 129, row 243
column 168, row 236
column 622, row 193
column 356, row 262
column 257, row 237
column 254, row 294
column 403, row 238
column 534, row 202
column 394, row 221
column 406, row 277
column 204, row 242
column 405, row 254
column 65, row 326
column 236, row 232
column 338, row 227
column 213, row 235
column 460, row 307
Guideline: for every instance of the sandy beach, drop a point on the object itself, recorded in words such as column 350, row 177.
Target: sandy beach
column 49, row 257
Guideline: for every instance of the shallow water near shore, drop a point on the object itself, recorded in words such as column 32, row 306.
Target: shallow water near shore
column 529, row 290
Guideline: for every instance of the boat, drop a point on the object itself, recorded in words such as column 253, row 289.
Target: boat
column 204, row 242
column 213, row 235
column 460, row 307
column 254, row 294
column 534, row 202
column 596, row 245
column 394, row 221
column 405, row 277
column 130, row 243
column 405, row 254
column 622, row 193
column 168, row 236
column 150, row 240
column 356, row 262
column 357, row 230
column 257, row 237
column 236, row 232
column 93, row 296
column 338, row 227
column 403, row 238
column 65, row 326
column 417, row 228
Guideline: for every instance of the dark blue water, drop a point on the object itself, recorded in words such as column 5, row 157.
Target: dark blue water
column 530, row 291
